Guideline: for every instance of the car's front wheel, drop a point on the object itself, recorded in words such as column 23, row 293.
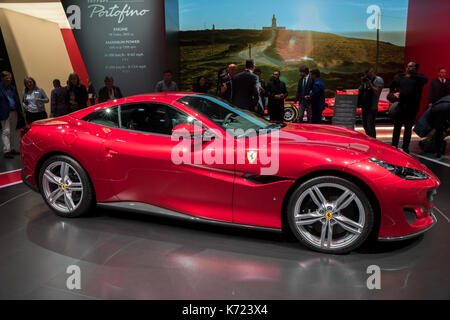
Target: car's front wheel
column 65, row 187
column 330, row 214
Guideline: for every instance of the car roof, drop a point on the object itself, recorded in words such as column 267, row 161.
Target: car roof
column 163, row 97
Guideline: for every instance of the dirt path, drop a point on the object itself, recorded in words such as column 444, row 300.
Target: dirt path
column 258, row 55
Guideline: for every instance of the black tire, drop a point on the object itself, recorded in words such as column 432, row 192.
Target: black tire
column 290, row 113
column 362, row 206
column 84, row 199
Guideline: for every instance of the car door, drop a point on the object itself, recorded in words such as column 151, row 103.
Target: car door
column 258, row 190
column 138, row 159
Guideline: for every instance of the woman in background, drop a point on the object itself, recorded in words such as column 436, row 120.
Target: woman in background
column 33, row 101
column 77, row 95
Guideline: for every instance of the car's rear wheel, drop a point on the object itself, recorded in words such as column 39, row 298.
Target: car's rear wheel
column 65, row 187
column 330, row 214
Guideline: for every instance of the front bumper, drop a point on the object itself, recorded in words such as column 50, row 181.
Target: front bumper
column 405, row 206
column 410, row 236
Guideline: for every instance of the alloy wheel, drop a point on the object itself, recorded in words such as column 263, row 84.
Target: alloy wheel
column 62, row 187
column 329, row 216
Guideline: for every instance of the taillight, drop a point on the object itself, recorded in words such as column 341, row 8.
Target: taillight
column 24, row 131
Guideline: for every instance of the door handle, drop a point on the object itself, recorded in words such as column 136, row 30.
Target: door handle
column 110, row 153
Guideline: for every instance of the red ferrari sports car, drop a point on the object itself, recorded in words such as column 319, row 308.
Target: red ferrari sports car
column 334, row 188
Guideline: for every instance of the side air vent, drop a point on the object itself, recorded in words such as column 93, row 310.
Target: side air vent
column 264, row 179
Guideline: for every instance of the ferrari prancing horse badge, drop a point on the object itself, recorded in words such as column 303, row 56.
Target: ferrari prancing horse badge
column 251, row 156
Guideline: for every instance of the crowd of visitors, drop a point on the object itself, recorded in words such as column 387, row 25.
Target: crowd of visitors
column 249, row 91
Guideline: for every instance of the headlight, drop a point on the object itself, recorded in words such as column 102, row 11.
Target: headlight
column 402, row 172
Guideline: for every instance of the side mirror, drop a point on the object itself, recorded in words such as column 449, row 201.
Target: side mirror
column 188, row 131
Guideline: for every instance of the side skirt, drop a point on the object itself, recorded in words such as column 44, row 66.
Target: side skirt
column 149, row 209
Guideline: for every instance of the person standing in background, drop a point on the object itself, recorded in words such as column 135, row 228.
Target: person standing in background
column 109, row 91
column 277, row 92
column 92, row 95
column 201, row 85
column 410, row 86
column 77, row 95
column 58, row 103
column 262, row 91
column 33, row 101
column 368, row 99
column 439, row 87
column 10, row 111
column 317, row 97
column 167, row 85
column 245, row 94
column 226, row 82
column 304, row 88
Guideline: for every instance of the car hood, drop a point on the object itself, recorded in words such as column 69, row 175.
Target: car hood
column 343, row 138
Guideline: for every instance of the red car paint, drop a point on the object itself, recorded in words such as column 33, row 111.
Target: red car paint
column 133, row 166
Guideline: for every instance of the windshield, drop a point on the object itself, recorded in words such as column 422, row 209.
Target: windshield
column 227, row 116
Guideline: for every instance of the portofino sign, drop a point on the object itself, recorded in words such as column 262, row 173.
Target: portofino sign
column 101, row 11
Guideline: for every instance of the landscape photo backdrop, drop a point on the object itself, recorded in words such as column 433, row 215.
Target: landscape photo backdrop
column 337, row 37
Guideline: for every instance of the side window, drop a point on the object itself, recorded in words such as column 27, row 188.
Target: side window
column 151, row 118
column 108, row 117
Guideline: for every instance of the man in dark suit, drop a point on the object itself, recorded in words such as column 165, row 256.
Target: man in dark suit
column 439, row 87
column 224, row 86
column 10, row 113
column 410, row 86
column 109, row 91
column 317, row 97
column 304, row 87
column 245, row 93
column 277, row 92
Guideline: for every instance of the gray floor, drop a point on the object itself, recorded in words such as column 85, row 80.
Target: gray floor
column 10, row 164
column 127, row 256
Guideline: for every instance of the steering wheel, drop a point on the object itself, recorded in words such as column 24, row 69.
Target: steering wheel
column 228, row 119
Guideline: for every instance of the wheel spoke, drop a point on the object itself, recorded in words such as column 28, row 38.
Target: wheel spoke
column 75, row 186
column 69, row 201
column 55, row 195
column 348, row 224
column 323, row 233
column 317, row 197
column 52, row 178
column 64, row 171
column 330, row 234
column 344, row 200
column 308, row 218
